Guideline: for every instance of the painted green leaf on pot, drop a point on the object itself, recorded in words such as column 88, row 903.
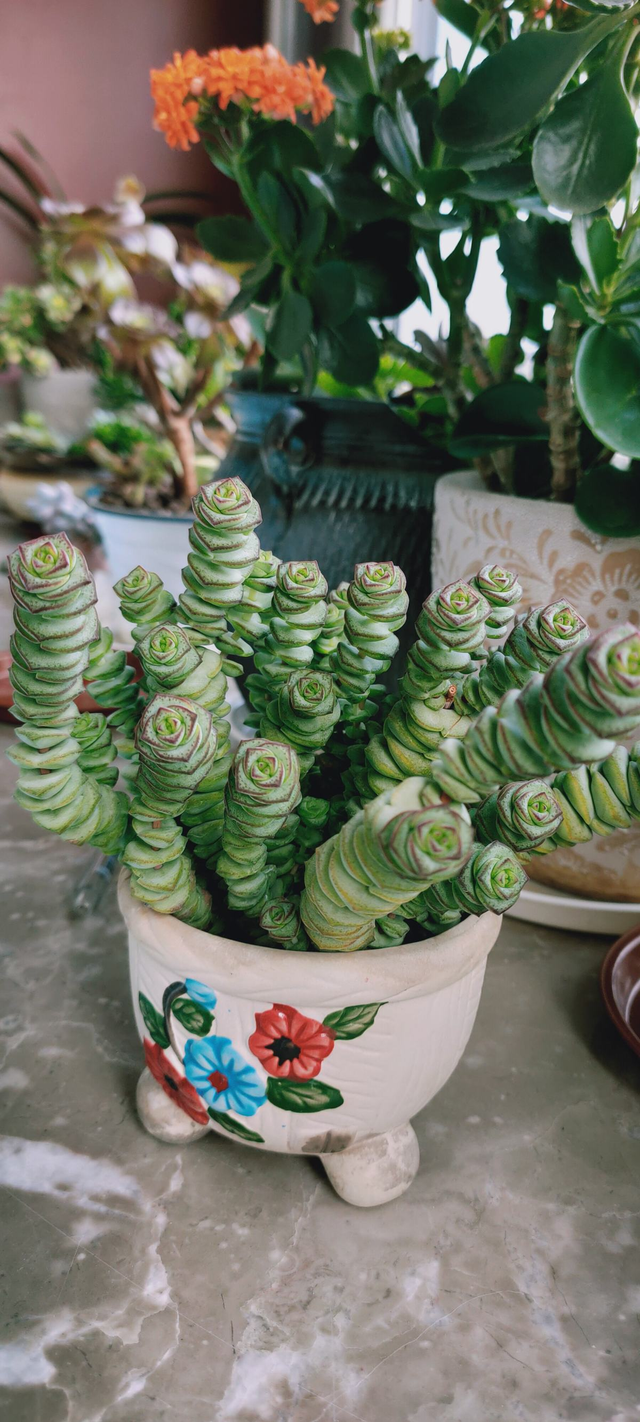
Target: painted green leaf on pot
column 586, row 149
column 231, row 239
column 334, row 292
column 535, row 256
column 507, row 92
column 290, row 325
column 153, row 1021
column 607, row 385
column 351, row 1022
column 500, row 416
column 303, row 1095
column 608, row 501
column 235, row 1128
column 350, row 353
column 195, row 1019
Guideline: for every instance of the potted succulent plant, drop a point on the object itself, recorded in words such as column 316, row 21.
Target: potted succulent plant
column 341, row 875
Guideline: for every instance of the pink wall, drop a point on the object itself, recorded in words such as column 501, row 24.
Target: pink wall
column 74, row 77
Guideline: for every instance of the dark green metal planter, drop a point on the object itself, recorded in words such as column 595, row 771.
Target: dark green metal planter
column 341, row 481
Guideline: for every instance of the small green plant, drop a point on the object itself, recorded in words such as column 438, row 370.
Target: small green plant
column 355, row 817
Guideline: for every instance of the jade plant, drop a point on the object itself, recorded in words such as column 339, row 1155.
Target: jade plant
column 354, row 817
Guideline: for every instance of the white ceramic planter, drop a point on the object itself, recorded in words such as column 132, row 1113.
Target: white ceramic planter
column 321, row 1054
column 555, row 556
column 65, row 399
column 159, row 541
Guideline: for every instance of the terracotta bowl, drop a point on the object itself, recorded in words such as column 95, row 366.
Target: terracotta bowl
column 620, row 982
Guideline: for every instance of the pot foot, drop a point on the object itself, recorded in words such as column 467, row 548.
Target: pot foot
column 376, row 1170
column 161, row 1117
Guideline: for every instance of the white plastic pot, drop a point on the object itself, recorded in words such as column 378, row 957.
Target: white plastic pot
column 362, row 1041
column 160, row 542
column 64, row 398
column 555, row 557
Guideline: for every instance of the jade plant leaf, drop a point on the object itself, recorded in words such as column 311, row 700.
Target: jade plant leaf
column 507, row 92
column 235, row 1128
column 586, row 149
column 607, row 385
column 303, row 1095
column 153, row 1021
column 195, row 1019
column 351, row 1022
column 535, row 256
column 500, row 416
column 608, row 500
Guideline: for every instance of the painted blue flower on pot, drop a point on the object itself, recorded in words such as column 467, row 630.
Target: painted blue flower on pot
column 200, row 993
column 222, row 1078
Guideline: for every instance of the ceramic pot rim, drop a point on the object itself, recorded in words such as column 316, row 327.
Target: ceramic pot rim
column 276, row 974
column 93, row 498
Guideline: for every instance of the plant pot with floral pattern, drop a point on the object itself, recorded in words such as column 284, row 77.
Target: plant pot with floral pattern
column 351, row 1048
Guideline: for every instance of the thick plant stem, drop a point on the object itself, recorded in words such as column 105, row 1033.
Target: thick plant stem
column 562, row 414
column 180, row 433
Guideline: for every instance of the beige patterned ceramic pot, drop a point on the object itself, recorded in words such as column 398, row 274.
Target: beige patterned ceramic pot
column 555, row 556
column 326, row 1054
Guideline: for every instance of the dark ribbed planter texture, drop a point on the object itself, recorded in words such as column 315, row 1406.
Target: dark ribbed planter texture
column 341, row 481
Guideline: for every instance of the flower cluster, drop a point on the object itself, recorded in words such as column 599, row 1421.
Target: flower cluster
column 321, row 11
column 259, row 77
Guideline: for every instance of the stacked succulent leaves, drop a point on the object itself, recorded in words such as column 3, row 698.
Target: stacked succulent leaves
column 351, row 819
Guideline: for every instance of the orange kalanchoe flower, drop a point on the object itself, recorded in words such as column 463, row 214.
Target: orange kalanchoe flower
column 259, row 76
column 321, row 10
column 170, row 88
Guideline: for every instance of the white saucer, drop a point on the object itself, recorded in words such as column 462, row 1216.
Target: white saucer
column 554, row 909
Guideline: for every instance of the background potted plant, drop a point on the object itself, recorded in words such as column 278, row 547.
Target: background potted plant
column 180, row 360
column 327, row 250
column 353, row 822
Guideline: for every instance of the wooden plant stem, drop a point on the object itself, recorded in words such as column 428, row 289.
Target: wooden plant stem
column 180, row 433
column 512, row 352
column 561, row 412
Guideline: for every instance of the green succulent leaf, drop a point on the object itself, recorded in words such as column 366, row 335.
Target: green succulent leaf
column 231, row 239
column 290, row 325
column 392, row 143
column 235, row 1128
column 607, row 385
column 500, row 416
column 303, row 1095
column 595, row 245
column 507, row 92
column 334, row 292
column 346, row 74
column 505, row 181
column 351, row 1022
column 586, row 149
column 535, row 256
column 195, row 1019
column 350, row 353
column 153, row 1021
column 608, row 501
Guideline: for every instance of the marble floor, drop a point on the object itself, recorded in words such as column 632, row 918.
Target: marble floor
column 214, row 1284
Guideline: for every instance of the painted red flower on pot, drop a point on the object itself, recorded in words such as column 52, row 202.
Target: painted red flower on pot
column 288, row 1044
column 177, row 1087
